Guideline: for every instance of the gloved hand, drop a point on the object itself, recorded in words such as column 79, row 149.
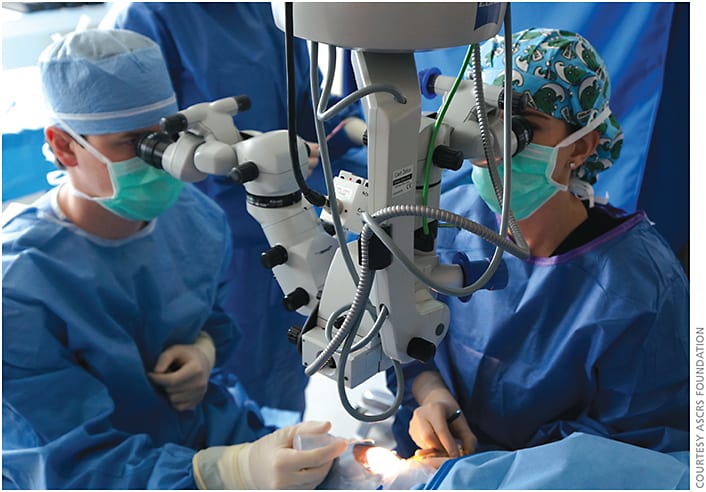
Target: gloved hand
column 271, row 462
column 183, row 371
column 431, row 427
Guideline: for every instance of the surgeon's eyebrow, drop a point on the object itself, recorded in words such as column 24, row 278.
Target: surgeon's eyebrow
column 538, row 114
column 132, row 133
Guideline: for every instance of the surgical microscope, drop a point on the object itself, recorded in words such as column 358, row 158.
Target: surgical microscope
column 370, row 303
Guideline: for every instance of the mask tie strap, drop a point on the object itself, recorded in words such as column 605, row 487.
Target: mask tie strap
column 82, row 141
column 581, row 132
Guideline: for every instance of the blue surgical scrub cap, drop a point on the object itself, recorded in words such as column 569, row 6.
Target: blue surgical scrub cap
column 565, row 78
column 106, row 81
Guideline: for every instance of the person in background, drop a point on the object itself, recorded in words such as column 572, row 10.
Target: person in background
column 216, row 50
column 111, row 304
column 591, row 332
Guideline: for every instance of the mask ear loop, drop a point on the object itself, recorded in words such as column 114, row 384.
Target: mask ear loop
column 96, row 153
column 550, row 170
column 83, row 142
column 577, row 135
column 579, row 187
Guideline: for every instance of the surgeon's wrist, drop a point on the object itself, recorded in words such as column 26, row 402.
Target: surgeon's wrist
column 234, row 467
column 204, row 342
column 223, row 468
column 428, row 387
column 204, row 465
column 443, row 397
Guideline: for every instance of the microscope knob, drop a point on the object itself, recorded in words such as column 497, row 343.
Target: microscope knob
column 329, row 228
column 243, row 103
column 245, row 172
column 293, row 334
column 296, row 299
column 447, row 158
column 420, row 349
column 276, row 255
column 427, row 78
column 174, row 124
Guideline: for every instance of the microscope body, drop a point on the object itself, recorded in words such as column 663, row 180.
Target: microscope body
column 204, row 140
column 383, row 38
column 306, row 260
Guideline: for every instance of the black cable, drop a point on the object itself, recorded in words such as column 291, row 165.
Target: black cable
column 312, row 196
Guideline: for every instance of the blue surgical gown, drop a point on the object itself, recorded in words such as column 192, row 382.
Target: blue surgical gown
column 594, row 340
column 83, row 321
column 216, row 50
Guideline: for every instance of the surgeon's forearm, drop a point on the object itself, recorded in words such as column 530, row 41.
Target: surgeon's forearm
column 428, row 386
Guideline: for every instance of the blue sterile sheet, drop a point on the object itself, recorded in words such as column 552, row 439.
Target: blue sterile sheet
column 580, row 461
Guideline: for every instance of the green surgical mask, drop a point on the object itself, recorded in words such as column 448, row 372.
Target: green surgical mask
column 140, row 191
column 532, row 168
column 532, row 184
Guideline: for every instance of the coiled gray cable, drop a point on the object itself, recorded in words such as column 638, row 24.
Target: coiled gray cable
column 399, row 376
column 374, row 330
column 445, row 216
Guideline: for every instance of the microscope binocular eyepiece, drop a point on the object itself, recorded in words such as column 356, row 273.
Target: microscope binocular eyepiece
column 520, row 101
column 150, row 147
column 522, row 129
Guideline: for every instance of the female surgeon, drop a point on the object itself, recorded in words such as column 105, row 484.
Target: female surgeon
column 591, row 332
